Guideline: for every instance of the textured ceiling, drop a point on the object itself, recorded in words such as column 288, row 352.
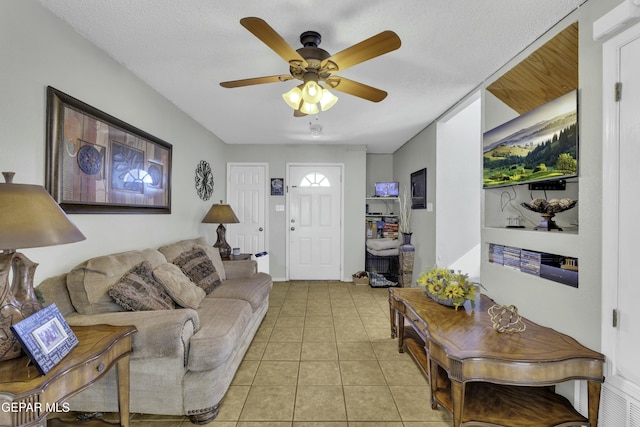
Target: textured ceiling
column 185, row 48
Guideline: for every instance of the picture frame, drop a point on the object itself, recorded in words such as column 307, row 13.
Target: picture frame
column 96, row 163
column 45, row 337
column 419, row 189
column 277, row 186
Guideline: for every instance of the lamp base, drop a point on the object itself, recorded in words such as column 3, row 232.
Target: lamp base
column 17, row 302
column 221, row 243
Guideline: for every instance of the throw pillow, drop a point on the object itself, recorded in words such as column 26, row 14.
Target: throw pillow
column 197, row 266
column 214, row 256
column 137, row 290
column 183, row 291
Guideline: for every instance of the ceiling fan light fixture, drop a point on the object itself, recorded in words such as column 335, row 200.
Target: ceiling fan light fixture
column 328, row 100
column 311, row 92
column 293, row 97
column 308, row 108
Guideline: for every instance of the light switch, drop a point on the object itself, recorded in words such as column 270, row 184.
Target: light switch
column 279, row 208
column 429, row 207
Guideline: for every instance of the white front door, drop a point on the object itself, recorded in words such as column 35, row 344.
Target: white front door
column 246, row 194
column 314, row 221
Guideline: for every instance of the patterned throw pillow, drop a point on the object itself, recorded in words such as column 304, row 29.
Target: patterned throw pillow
column 197, row 266
column 183, row 291
column 137, row 290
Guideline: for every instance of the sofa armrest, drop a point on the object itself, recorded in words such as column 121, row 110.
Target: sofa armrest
column 161, row 333
column 240, row 269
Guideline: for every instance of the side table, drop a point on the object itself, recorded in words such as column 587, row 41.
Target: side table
column 26, row 397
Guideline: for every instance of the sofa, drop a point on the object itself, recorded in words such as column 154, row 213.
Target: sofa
column 185, row 355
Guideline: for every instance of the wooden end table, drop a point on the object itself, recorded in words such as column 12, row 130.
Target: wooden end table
column 26, row 397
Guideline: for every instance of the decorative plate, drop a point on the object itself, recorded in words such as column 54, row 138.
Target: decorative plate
column 204, row 180
column 89, row 160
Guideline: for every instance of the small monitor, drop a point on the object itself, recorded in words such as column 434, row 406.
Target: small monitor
column 387, row 189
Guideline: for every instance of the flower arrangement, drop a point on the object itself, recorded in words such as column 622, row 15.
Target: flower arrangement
column 404, row 200
column 448, row 287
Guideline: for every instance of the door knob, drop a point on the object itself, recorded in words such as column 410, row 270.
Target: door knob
column 293, row 229
column 260, row 229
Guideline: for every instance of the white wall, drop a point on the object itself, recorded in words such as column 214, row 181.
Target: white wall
column 458, row 189
column 38, row 50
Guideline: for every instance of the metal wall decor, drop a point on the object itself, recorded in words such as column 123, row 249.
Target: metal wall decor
column 204, row 180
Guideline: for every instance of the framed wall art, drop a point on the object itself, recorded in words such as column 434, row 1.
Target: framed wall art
column 419, row 189
column 96, row 163
column 45, row 337
column 277, row 186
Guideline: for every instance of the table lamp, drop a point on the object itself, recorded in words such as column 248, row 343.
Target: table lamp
column 222, row 214
column 29, row 218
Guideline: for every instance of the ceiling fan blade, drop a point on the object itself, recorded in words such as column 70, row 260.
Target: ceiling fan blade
column 256, row 81
column 356, row 89
column 259, row 28
column 370, row 48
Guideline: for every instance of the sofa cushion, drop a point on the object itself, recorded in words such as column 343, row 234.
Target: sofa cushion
column 255, row 289
column 182, row 290
column 173, row 250
column 139, row 291
column 223, row 323
column 197, row 266
column 89, row 282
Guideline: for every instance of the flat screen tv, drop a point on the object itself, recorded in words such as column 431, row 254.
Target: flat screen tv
column 386, row 189
column 539, row 145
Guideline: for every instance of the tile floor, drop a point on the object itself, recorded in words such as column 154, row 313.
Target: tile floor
column 323, row 357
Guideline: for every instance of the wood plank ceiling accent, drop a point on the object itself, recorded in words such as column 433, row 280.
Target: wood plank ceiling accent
column 549, row 72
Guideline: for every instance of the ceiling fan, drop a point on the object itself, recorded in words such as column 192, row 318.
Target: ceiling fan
column 313, row 65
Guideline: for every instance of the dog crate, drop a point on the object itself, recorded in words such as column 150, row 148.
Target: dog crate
column 386, row 266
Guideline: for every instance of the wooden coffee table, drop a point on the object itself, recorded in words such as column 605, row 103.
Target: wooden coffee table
column 486, row 378
column 27, row 397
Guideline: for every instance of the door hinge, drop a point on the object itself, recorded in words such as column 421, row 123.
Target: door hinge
column 618, row 92
column 615, row 318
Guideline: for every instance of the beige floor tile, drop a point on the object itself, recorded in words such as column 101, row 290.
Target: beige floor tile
column 320, row 424
column 372, row 311
column 351, row 332
column 246, row 372
column 282, row 351
column 312, row 321
column 293, row 308
column 319, row 403
column 402, row 372
column 232, row 403
column 276, row 373
column 263, row 333
column 375, row 424
column 414, row 404
column 428, row 424
column 361, row 372
column 344, row 311
column 319, row 373
column 280, row 334
column 263, row 424
column 290, row 322
column 319, row 335
column 255, row 350
column 358, row 350
column 319, row 351
column 370, row 403
column 388, row 350
column 269, row 403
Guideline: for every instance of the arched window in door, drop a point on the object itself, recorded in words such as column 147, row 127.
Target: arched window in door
column 315, row 179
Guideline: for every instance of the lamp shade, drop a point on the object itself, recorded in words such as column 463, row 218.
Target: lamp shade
column 31, row 218
column 221, row 214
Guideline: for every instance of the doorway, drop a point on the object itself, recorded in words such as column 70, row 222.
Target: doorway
column 246, row 194
column 314, row 221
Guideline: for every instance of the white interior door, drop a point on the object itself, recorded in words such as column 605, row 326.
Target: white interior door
column 621, row 229
column 314, row 221
column 246, row 194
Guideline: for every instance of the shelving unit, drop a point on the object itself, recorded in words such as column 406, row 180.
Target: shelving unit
column 381, row 221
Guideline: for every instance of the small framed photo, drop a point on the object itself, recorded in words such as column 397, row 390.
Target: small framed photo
column 277, row 186
column 45, row 337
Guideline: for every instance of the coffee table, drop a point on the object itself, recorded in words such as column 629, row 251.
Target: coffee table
column 487, row 378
